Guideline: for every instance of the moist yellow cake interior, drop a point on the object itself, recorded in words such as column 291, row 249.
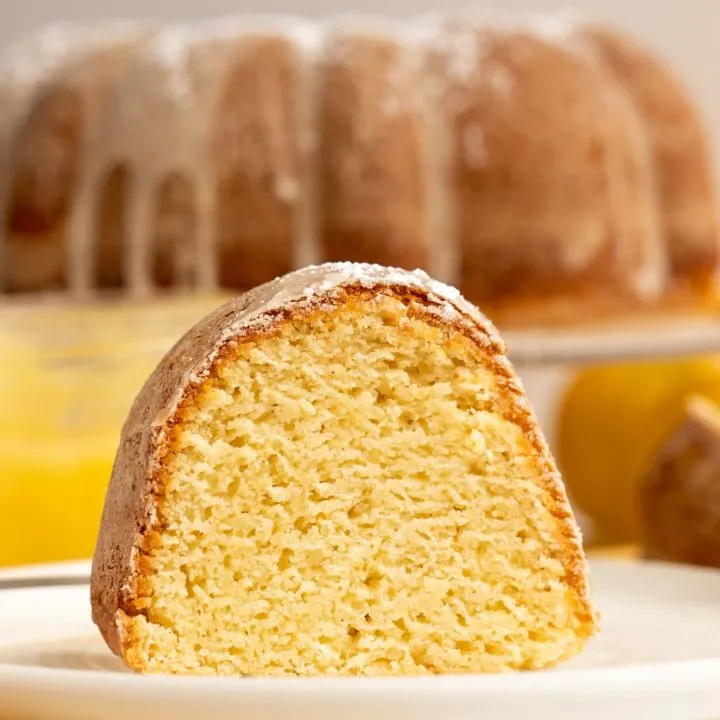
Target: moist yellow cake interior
column 348, row 498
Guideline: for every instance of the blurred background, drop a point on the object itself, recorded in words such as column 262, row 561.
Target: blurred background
column 683, row 32
column 72, row 359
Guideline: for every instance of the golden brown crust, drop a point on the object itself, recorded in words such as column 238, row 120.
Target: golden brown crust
column 132, row 518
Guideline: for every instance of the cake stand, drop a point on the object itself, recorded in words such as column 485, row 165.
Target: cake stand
column 638, row 339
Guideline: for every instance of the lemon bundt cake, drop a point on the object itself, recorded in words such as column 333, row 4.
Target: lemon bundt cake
column 338, row 473
column 549, row 174
column 679, row 493
column 540, row 166
column 682, row 159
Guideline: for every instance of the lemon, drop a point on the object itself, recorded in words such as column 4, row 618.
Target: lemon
column 611, row 420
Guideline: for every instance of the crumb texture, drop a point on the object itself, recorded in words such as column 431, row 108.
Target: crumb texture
column 354, row 493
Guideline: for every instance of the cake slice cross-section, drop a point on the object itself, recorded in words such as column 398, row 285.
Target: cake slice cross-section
column 338, row 473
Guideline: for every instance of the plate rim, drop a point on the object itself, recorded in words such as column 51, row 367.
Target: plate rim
column 621, row 342
column 620, row 682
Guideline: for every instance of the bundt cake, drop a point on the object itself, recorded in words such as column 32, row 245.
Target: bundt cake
column 550, row 170
column 338, row 473
column 681, row 158
column 679, row 494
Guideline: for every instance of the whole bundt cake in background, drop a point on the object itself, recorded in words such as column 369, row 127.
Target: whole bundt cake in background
column 552, row 170
column 338, row 473
column 550, row 177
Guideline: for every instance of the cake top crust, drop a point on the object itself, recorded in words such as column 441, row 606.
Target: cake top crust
column 312, row 284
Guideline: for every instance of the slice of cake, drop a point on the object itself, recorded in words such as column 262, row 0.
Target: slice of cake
column 338, row 473
column 680, row 491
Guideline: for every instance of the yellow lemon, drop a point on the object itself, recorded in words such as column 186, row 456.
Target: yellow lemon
column 611, row 420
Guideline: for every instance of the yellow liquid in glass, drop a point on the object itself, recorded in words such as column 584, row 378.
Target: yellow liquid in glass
column 68, row 376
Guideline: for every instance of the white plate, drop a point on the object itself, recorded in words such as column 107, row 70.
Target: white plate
column 46, row 571
column 658, row 658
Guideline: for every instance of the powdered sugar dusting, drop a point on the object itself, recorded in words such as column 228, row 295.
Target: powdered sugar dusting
column 311, row 286
column 372, row 26
column 170, row 49
column 172, row 46
column 27, row 60
column 465, row 37
column 556, row 27
column 30, row 59
column 471, row 62
column 463, row 54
